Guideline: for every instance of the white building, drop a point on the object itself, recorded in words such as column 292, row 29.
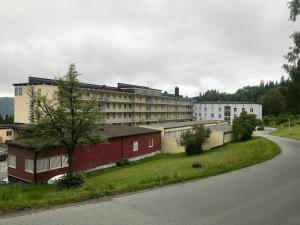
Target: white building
column 227, row 110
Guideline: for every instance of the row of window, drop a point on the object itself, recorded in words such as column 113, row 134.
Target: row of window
column 227, row 108
column 42, row 164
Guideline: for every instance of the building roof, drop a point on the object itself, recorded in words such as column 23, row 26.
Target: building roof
column 223, row 128
column 115, row 131
column 225, row 102
column 12, row 126
column 183, row 124
column 126, row 88
column 107, row 132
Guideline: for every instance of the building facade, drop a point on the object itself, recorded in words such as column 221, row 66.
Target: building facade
column 124, row 104
column 221, row 133
column 226, row 111
column 123, row 142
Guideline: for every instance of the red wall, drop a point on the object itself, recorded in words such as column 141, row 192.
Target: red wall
column 19, row 171
column 87, row 157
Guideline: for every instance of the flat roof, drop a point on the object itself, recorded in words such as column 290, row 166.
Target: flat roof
column 224, row 128
column 107, row 132
column 183, row 124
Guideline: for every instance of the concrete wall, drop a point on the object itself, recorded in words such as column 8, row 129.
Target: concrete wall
column 3, row 135
column 215, row 139
column 228, row 137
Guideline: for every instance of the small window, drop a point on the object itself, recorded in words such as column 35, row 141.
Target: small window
column 151, row 143
column 8, row 133
column 243, row 109
column 42, row 165
column 29, row 165
column 55, row 162
column 11, row 161
column 220, row 115
column 251, row 109
column 220, row 109
column 64, row 161
column 212, row 115
column 135, row 146
column 235, row 109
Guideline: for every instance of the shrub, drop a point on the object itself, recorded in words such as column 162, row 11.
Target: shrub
column 123, row 162
column 260, row 128
column 196, row 165
column 193, row 140
column 71, row 180
column 244, row 125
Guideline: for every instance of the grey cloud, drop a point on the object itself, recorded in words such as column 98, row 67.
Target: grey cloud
column 195, row 44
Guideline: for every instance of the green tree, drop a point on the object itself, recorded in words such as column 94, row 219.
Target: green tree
column 274, row 102
column 294, row 7
column 67, row 120
column 293, row 69
column 193, row 140
column 244, row 125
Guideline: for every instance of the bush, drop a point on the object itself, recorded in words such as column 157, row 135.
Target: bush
column 123, row 162
column 196, row 165
column 244, row 125
column 260, row 128
column 71, row 180
column 193, row 140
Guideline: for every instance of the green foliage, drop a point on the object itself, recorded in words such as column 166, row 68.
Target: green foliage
column 66, row 120
column 294, row 7
column 274, row 102
column 71, row 180
column 154, row 171
column 193, row 140
column 244, row 125
column 123, row 162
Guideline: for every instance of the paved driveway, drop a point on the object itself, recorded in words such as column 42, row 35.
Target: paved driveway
column 264, row 194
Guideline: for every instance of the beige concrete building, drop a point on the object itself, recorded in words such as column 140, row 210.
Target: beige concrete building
column 221, row 133
column 124, row 104
column 6, row 133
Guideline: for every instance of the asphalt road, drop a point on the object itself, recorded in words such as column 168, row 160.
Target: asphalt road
column 264, row 194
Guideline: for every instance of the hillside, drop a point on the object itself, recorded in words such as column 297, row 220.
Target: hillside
column 6, row 106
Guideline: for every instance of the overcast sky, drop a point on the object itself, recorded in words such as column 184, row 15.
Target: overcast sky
column 194, row 44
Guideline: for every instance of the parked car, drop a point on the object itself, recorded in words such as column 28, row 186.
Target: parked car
column 3, row 155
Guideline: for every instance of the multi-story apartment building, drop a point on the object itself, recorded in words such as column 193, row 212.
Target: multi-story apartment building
column 124, row 104
column 227, row 110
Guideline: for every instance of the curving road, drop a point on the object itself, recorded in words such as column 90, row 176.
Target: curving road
column 264, row 194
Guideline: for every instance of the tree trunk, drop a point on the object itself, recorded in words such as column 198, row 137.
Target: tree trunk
column 70, row 160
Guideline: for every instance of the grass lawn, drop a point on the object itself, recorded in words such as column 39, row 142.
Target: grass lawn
column 284, row 132
column 155, row 171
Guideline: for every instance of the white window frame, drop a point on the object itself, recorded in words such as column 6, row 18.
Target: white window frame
column 52, row 158
column 31, row 161
column 12, row 158
column 64, row 161
column 37, row 163
column 151, row 143
column 135, row 146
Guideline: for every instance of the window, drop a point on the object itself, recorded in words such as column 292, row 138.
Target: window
column 29, row 165
column 64, row 161
column 42, row 164
column 235, row 116
column 212, row 115
column 55, row 162
column 235, row 109
column 8, row 133
column 243, row 109
column 151, row 143
column 135, row 146
column 251, row 109
column 18, row 91
column 220, row 115
column 11, row 161
column 220, row 109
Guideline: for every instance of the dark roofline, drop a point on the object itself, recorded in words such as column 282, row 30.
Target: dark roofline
column 124, row 88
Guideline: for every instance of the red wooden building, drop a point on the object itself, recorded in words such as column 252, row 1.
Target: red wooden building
column 123, row 142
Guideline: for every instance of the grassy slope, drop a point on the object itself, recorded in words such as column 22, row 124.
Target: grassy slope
column 284, row 132
column 157, row 171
